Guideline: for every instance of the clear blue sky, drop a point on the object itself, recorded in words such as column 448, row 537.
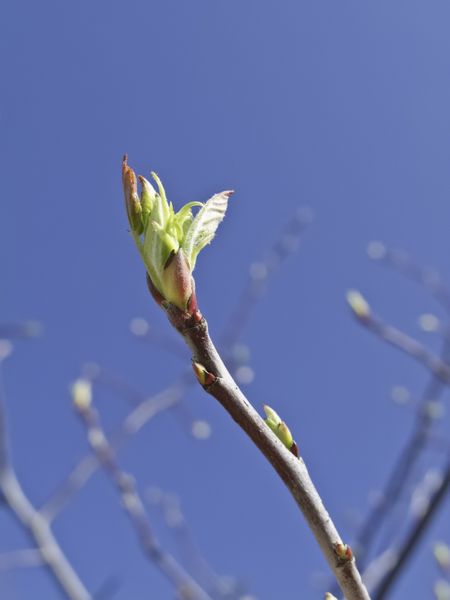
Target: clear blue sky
column 342, row 106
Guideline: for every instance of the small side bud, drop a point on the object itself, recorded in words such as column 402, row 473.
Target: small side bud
column 343, row 552
column 272, row 420
column 81, row 394
column 329, row 596
column 285, row 435
column 204, row 377
column 359, row 305
column 280, row 429
column 442, row 555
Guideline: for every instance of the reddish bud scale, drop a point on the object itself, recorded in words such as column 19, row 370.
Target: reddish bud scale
column 343, row 552
column 294, row 449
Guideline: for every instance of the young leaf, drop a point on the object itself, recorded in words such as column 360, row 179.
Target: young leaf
column 203, row 227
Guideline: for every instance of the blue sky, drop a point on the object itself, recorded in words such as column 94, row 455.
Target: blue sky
column 341, row 106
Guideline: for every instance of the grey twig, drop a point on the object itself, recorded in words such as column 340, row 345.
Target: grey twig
column 35, row 525
column 404, row 552
column 144, row 410
column 185, row 586
column 219, row 383
column 19, row 559
column 88, row 465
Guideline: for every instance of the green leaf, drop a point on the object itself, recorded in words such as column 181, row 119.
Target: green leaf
column 203, row 227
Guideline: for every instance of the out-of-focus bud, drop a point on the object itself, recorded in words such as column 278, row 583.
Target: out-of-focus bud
column 359, row 305
column 441, row 553
column 280, row 429
column 329, row 596
column 81, row 394
column 169, row 242
column 441, row 590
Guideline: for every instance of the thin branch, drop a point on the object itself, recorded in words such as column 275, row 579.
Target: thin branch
column 291, row 469
column 404, row 264
column 440, row 370
column 20, row 559
column 412, row 539
column 124, row 483
column 400, row 340
column 34, row 524
column 88, row 465
column 259, row 273
column 219, row 587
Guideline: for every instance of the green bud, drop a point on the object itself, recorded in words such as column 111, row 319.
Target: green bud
column 280, row 429
column 170, row 241
column 148, row 196
column 285, row 435
column 204, row 377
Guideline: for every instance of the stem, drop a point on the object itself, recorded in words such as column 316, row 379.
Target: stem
column 38, row 529
column 292, row 470
column 33, row 522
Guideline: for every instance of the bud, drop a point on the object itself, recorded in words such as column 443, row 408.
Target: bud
column 441, row 590
column 81, row 394
column 132, row 203
column 343, row 552
column 359, row 305
column 169, row 242
column 204, row 377
column 442, row 555
column 280, row 429
column 329, row 596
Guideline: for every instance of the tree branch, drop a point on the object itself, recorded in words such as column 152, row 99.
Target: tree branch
column 292, row 470
column 34, row 524
column 412, row 539
column 184, row 584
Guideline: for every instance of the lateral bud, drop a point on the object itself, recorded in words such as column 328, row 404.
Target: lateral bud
column 358, row 305
column 280, row 429
column 81, row 391
column 343, row 552
column 204, row 377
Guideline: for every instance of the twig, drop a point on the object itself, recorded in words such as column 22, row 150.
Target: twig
column 88, row 465
column 412, row 539
column 220, row 384
column 217, row 586
column 19, row 559
column 34, row 524
column 404, row 264
column 400, row 340
column 185, row 586
column 145, row 409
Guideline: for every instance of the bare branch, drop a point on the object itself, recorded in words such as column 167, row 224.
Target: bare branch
column 292, row 470
column 19, row 559
column 124, row 483
column 404, row 264
column 410, row 543
column 34, row 524
column 88, row 465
